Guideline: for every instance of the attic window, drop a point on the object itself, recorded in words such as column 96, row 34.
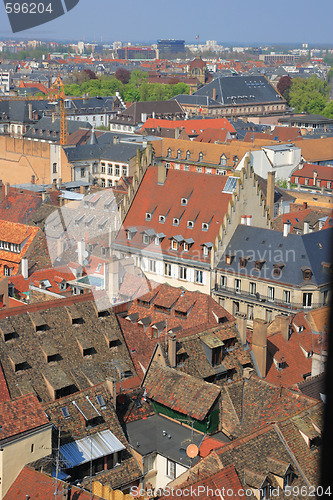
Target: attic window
column 307, row 274
column 258, row 264
column 223, row 160
column 145, row 239
column 179, row 154
column 276, row 271
column 174, row 245
column 169, row 153
column 186, row 247
column 228, row 259
column 148, row 216
column 201, row 156
column 242, row 262
column 175, row 221
column 101, row 401
column 21, row 366
column 190, row 224
column 188, row 155
column 183, row 201
column 65, row 412
column 205, row 226
column 161, row 219
column 89, row 351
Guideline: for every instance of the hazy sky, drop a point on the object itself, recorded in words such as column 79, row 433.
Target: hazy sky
column 241, row 21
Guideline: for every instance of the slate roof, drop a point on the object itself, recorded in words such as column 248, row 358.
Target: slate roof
column 161, row 108
column 309, row 251
column 279, row 194
column 314, row 387
column 49, row 130
column 71, row 368
column 180, row 392
column 18, row 111
column 240, row 90
column 121, row 152
column 20, row 415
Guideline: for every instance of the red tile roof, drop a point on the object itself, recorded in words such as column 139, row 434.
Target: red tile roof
column 307, row 171
column 36, row 485
column 201, row 311
column 54, row 275
column 18, row 206
column 12, row 232
column 225, row 481
column 20, row 415
column 213, row 135
column 206, row 204
column 192, row 127
column 4, row 393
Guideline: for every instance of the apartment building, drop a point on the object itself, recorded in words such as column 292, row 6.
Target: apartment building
column 264, row 273
column 179, row 222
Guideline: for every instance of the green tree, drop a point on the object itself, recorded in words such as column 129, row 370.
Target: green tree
column 328, row 110
column 304, row 91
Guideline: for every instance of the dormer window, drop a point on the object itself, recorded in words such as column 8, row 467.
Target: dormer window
column 258, row 264
column 183, row 201
column 169, row 153
column 200, row 156
column 190, row 224
column 145, row 239
column 276, row 271
column 179, row 154
column 242, row 262
column 148, row 216
column 205, row 250
column 205, row 226
column 161, row 219
column 175, row 221
column 186, row 246
column 307, row 274
column 188, row 155
column 223, row 160
column 174, row 245
column 228, row 259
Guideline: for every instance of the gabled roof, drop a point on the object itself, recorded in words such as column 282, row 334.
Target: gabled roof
column 36, row 485
column 308, row 170
column 20, row 415
column 18, row 205
column 314, row 150
column 253, row 403
column 207, row 204
column 180, row 392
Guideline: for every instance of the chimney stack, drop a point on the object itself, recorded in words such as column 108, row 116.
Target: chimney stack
column 259, row 345
column 241, row 327
column 249, row 220
column 33, row 179
column 244, row 220
column 30, row 111
column 172, row 343
column 286, row 229
column 1, row 191
column 25, row 268
column 177, row 132
column 306, row 227
column 82, row 190
column 161, row 173
column 53, row 117
column 81, row 248
column 283, row 322
column 214, row 94
column 7, row 186
column 270, row 193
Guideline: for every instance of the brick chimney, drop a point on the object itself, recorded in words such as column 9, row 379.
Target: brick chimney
column 214, row 94
column 172, row 343
column 241, row 327
column 7, row 186
column 259, row 344
column 283, row 322
column 270, row 193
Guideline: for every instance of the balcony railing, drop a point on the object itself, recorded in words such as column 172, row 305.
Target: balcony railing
column 265, row 300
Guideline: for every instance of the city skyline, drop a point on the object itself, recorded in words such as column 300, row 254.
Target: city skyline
column 256, row 23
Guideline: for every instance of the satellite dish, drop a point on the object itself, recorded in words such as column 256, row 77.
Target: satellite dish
column 192, row 450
